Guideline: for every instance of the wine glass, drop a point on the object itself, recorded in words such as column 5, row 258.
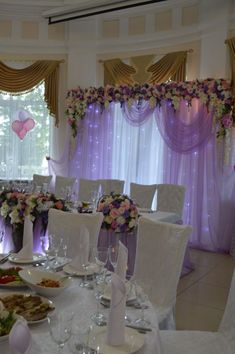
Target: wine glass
column 142, row 299
column 113, row 255
column 99, row 286
column 85, row 283
column 46, row 249
column 56, row 243
column 78, row 343
column 60, row 328
column 101, row 257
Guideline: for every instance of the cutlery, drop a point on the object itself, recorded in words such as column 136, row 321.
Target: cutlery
column 5, row 258
column 138, row 328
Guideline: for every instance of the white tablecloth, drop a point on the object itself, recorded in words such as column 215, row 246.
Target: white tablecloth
column 82, row 302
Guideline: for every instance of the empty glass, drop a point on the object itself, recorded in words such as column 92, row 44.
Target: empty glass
column 85, row 283
column 113, row 255
column 46, row 249
column 99, row 286
column 60, row 326
column 101, row 257
column 142, row 299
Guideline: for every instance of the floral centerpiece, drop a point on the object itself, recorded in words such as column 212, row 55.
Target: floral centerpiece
column 14, row 206
column 120, row 212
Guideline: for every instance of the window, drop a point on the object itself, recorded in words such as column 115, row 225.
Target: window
column 20, row 159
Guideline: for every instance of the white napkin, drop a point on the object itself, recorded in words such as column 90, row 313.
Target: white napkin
column 27, row 249
column 121, row 267
column 82, row 249
column 116, row 320
column 20, row 339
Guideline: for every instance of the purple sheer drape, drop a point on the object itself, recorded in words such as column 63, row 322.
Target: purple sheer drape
column 190, row 159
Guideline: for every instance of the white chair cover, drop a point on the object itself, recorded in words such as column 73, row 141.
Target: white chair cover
column 67, row 224
column 39, row 180
column 159, row 258
column 61, row 183
column 170, row 197
column 86, row 188
column 198, row 342
column 111, row 185
column 143, row 194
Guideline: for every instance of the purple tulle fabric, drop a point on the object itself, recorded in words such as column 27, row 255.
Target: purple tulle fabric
column 189, row 158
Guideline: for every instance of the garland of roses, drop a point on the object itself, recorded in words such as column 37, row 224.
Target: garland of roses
column 215, row 94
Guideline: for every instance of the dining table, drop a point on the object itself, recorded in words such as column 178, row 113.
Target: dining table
column 82, row 303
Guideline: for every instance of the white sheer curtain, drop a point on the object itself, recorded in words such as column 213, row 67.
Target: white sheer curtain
column 137, row 151
column 21, row 158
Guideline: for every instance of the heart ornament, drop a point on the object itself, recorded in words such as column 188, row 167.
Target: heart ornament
column 22, row 127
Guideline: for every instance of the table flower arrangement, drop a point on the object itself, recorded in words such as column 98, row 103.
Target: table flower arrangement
column 120, row 213
column 14, row 206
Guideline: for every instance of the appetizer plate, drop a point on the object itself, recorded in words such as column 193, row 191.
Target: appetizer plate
column 35, row 303
column 133, row 341
column 6, row 274
column 92, row 268
column 14, row 258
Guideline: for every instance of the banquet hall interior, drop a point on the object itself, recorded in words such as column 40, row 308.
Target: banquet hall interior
column 135, row 91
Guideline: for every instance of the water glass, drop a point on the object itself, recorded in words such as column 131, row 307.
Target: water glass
column 46, row 249
column 99, row 286
column 113, row 255
column 60, row 327
column 101, row 257
column 142, row 299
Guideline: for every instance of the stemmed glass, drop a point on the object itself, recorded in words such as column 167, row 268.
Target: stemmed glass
column 142, row 298
column 85, row 283
column 56, row 242
column 79, row 342
column 99, row 286
column 47, row 249
column 101, row 258
column 113, row 255
column 60, row 326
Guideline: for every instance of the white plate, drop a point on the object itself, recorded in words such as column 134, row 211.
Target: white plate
column 91, row 269
column 133, row 341
column 43, row 299
column 130, row 291
column 14, row 258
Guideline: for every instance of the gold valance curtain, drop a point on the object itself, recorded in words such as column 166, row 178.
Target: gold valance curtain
column 170, row 67
column 21, row 80
column 117, row 73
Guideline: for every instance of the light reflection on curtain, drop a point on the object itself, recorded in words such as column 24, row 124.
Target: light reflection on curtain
column 132, row 148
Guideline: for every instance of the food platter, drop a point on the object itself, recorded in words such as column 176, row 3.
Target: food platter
column 33, row 308
column 9, row 278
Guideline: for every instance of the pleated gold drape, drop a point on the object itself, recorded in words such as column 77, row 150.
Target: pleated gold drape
column 170, row 67
column 22, row 80
column 117, row 73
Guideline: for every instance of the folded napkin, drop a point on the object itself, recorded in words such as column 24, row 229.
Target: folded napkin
column 82, row 247
column 121, row 267
column 20, row 337
column 116, row 320
column 27, row 249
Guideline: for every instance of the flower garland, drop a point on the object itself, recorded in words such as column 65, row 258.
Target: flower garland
column 215, row 94
column 120, row 212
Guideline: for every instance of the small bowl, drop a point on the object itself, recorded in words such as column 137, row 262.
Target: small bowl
column 32, row 277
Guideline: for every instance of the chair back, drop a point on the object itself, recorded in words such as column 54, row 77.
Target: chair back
column 68, row 225
column 143, row 194
column 87, row 187
column 227, row 324
column 111, row 185
column 159, row 259
column 170, row 198
column 61, row 183
column 39, row 180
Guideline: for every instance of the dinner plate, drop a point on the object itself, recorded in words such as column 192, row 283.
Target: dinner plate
column 14, row 258
column 134, row 341
column 91, row 269
column 43, row 299
column 130, row 291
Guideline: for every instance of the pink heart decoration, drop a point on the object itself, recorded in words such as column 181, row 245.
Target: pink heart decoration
column 21, row 128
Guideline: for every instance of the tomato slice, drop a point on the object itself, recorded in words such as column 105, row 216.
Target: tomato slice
column 7, row 279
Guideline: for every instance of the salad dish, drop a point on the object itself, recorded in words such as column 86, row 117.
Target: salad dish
column 9, row 278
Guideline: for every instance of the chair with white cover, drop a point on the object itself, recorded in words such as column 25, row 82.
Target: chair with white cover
column 170, row 198
column 40, row 180
column 159, row 259
column 66, row 225
column 204, row 342
column 143, row 194
column 61, row 183
column 111, row 185
column 87, row 187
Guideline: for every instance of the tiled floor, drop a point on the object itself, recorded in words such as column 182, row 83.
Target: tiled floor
column 202, row 294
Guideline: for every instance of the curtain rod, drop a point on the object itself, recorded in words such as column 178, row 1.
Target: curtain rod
column 188, row 51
